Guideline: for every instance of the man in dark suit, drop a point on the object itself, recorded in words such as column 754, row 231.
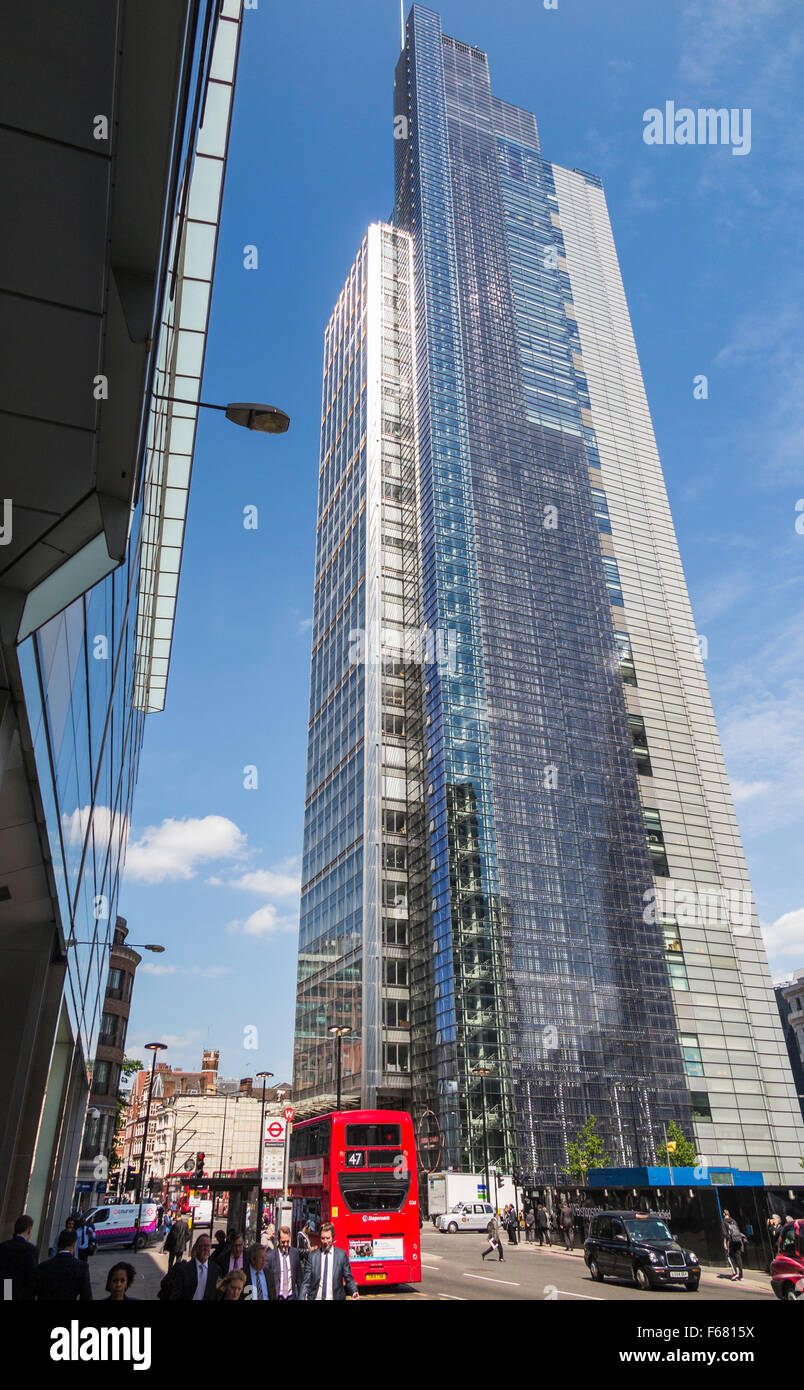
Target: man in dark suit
column 64, row 1278
column 258, row 1284
column 195, row 1280
column 176, row 1241
column 19, row 1259
column 284, row 1269
column 328, row 1274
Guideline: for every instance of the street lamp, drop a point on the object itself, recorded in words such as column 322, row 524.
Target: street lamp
column 129, row 945
column 265, row 419
column 261, row 1153
column 337, row 1031
column 483, row 1072
column 154, row 1048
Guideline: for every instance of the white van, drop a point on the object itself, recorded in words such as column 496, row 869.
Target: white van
column 116, row 1225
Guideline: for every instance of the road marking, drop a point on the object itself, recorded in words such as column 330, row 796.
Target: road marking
column 433, row 1267
column 456, row 1296
column 593, row 1297
column 487, row 1280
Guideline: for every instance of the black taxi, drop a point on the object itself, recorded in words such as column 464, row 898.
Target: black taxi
column 638, row 1246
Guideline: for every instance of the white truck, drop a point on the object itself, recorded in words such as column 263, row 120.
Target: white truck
column 446, row 1190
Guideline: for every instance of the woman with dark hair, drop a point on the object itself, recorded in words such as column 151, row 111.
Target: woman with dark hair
column 118, row 1282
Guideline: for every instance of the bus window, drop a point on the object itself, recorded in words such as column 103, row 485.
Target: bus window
column 364, row 1136
column 374, row 1191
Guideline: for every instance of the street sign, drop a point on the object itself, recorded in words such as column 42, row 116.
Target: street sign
column 83, row 1187
column 275, row 1131
column 289, row 1113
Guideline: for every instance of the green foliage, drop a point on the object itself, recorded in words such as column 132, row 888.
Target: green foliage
column 685, row 1154
column 127, row 1069
column 587, row 1150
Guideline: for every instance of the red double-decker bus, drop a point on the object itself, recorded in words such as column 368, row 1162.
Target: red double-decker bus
column 357, row 1169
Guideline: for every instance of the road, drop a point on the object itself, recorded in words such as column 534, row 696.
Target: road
column 453, row 1270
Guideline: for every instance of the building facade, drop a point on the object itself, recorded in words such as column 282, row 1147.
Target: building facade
column 126, row 117
column 104, row 1103
column 790, row 1003
column 578, row 931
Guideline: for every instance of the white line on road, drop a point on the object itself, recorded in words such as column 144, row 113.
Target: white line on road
column 452, row 1295
column 593, row 1297
column 487, row 1280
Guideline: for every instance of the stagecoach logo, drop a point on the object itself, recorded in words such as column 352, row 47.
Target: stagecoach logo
column 376, row 1218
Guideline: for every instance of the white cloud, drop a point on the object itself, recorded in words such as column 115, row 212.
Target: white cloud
column 174, row 849
column 76, row 824
column 746, row 791
column 266, row 921
column 272, row 882
column 784, row 940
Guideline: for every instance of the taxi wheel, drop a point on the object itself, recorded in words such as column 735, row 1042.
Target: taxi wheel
column 452, row 1228
column 641, row 1278
column 692, row 1285
column 594, row 1270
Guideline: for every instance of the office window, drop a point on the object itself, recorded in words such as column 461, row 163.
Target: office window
column 395, row 857
column 653, row 830
column 396, row 972
column 601, row 510
column 626, row 655
column 115, row 986
column 612, row 574
column 639, row 742
column 394, row 933
column 393, row 822
column 108, row 1030
column 691, row 1053
column 677, row 971
column 394, row 724
column 700, row 1105
column 397, row 1056
column 395, row 1013
column 671, row 935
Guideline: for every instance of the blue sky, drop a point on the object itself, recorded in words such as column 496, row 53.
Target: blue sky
column 708, row 248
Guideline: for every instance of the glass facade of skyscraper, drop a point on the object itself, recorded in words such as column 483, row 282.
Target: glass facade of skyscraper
column 563, row 773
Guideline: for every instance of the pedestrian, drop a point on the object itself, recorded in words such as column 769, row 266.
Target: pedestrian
column 530, row 1226
column 194, row 1280
column 304, row 1245
column 328, row 1275
column 64, row 1278
column 118, row 1282
column 566, row 1222
column 495, row 1243
column 733, row 1243
column 543, row 1224
column 176, row 1241
column 270, row 1236
column 231, row 1286
column 231, row 1255
column 510, row 1223
column 284, row 1269
column 220, row 1241
column 19, row 1258
column 85, row 1244
column 257, row 1288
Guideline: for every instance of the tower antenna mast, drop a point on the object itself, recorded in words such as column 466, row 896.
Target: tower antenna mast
column 402, row 21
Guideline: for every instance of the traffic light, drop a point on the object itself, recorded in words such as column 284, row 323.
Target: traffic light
column 199, row 1166
column 131, row 1179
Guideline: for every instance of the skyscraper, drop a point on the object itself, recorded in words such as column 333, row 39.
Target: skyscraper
column 521, row 853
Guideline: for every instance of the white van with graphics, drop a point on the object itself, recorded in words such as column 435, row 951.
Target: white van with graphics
column 116, row 1225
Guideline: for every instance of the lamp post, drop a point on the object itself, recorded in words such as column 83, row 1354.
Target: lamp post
column 265, row 419
column 154, row 1048
column 337, row 1031
column 265, row 1075
column 483, row 1072
column 129, row 945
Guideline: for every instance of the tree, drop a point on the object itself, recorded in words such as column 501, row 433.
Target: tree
column 684, row 1155
column 587, row 1150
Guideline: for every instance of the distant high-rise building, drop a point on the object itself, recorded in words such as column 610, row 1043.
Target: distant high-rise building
column 790, row 1003
column 523, row 888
